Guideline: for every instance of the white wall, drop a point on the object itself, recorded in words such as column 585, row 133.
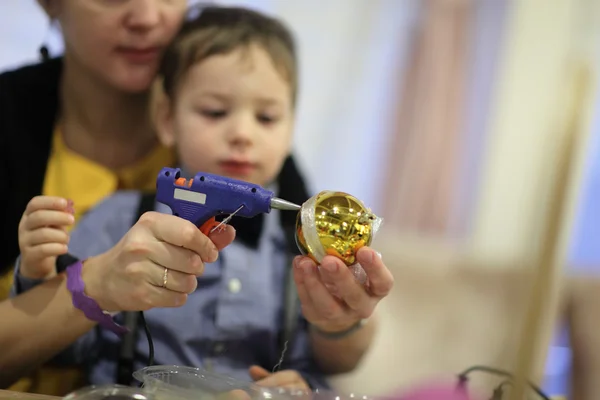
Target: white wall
column 23, row 28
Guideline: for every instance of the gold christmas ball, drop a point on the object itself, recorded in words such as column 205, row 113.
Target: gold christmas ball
column 334, row 223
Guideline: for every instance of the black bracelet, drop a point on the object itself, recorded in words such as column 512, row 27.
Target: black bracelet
column 340, row 334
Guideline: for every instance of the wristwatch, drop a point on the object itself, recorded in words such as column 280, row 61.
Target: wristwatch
column 86, row 304
column 340, row 334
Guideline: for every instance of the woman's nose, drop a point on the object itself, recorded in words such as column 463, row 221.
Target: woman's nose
column 144, row 14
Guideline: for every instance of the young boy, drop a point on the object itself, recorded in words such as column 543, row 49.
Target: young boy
column 229, row 85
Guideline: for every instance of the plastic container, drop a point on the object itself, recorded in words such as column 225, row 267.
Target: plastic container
column 187, row 383
column 183, row 383
column 110, row 392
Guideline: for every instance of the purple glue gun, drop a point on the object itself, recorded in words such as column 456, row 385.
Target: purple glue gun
column 206, row 196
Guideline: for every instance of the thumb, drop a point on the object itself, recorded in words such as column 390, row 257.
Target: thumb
column 257, row 373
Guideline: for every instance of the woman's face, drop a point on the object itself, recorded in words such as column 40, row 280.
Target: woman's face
column 119, row 42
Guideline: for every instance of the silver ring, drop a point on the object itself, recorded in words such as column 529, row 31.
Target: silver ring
column 165, row 277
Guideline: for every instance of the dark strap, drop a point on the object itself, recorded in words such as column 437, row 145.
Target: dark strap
column 291, row 310
column 63, row 261
column 131, row 319
column 290, row 317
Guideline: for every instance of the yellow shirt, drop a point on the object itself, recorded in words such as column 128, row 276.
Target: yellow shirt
column 72, row 176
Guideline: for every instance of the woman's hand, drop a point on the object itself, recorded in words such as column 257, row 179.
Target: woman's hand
column 154, row 265
column 288, row 379
column 332, row 300
column 43, row 235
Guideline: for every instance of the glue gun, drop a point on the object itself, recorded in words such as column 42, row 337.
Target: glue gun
column 206, row 196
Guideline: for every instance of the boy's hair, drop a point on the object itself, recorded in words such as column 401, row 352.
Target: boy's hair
column 221, row 30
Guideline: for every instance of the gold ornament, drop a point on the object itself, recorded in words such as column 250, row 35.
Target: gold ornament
column 334, row 223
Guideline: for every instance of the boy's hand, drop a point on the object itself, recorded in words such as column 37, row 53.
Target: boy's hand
column 288, row 379
column 331, row 298
column 43, row 235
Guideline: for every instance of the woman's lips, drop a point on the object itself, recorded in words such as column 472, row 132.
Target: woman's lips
column 238, row 168
column 139, row 56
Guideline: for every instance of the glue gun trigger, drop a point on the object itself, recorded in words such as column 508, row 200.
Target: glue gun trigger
column 208, row 227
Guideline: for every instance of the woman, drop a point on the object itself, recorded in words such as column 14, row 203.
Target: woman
column 77, row 127
column 80, row 116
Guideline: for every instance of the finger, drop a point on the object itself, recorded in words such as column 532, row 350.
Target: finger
column 42, row 251
column 46, row 235
column 313, row 294
column 180, row 232
column 41, row 218
column 299, row 385
column 70, row 207
column 237, row 394
column 175, row 280
column 223, row 236
column 308, row 308
column 257, row 372
column 175, row 258
column 351, row 292
column 158, row 297
column 46, row 203
column 282, row 378
column 381, row 280
column 330, row 270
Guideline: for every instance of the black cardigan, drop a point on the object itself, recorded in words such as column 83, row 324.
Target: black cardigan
column 29, row 105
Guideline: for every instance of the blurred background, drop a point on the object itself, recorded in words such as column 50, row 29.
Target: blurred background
column 444, row 116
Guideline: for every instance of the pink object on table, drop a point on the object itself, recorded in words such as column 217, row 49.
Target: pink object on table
column 444, row 391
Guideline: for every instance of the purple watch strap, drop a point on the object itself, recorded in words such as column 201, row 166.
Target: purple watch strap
column 86, row 304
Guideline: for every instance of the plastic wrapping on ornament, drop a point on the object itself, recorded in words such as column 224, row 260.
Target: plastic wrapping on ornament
column 307, row 215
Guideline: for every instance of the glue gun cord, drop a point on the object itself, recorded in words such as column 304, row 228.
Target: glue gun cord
column 507, row 382
column 499, row 391
column 150, row 342
column 496, row 371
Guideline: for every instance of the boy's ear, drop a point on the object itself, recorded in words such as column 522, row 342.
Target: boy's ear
column 162, row 115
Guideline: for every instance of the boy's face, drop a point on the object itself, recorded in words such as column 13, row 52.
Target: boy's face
column 232, row 115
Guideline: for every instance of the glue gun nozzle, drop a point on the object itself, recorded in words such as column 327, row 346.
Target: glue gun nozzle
column 280, row 204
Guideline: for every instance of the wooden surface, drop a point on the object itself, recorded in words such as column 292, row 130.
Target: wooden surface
column 8, row 395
